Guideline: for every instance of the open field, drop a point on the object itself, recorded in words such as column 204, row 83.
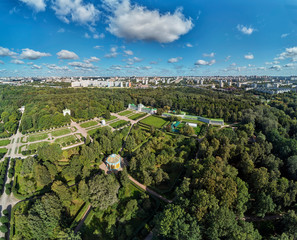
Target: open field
column 137, row 116
column 66, row 139
column 61, row 132
column 88, row 124
column 90, row 132
column 34, row 146
column 154, row 121
column 4, row 142
column 119, row 124
column 125, row 113
column 37, row 137
column 3, row 150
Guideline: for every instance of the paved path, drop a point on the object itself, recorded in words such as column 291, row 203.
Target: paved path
column 83, row 218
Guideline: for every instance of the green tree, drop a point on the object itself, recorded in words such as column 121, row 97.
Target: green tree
column 51, row 152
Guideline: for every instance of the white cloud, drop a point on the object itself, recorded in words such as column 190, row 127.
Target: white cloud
column 1, row 62
column 205, row 63
column 284, row 35
column 174, row 60
column 245, row 30
column 36, row 67
column 99, row 36
column 233, row 64
column 33, row 55
column 289, row 65
column 249, row 56
column 76, row 11
column 289, row 53
column 87, row 35
column 189, row 45
column 128, row 52
column 261, row 68
column 82, row 65
column 57, row 68
column 65, row 54
column 17, row 61
column 113, row 53
column 275, row 67
column 92, row 59
column 61, row 30
column 227, row 58
column 6, row 52
column 37, row 5
column 98, row 47
column 208, row 54
column 134, row 22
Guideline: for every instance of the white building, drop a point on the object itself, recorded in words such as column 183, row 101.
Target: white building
column 103, row 122
column 66, row 111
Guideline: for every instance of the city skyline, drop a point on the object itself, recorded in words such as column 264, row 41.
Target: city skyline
column 147, row 38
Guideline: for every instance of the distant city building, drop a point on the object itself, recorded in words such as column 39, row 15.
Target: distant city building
column 96, row 83
column 66, row 111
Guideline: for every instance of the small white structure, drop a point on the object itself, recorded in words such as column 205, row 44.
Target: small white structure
column 66, row 111
column 103, row 122
column 194, row 125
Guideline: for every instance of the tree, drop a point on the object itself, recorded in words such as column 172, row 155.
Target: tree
column 264, row 204
column 42, row 175
column 103, row 191
column 188, row 130
column 61, row 190
column 292, row 167
column 107, row 115
column 3, row 229
column 51, row 152
column 4, row 219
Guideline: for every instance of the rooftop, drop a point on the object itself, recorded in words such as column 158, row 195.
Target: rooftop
column 113, row 158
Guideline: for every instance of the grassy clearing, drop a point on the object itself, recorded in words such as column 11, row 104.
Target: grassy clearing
column 3, row 150
column 137, row 116
column 34, row 146
column 91, row 132
column 88, row 124
column 37, row 137
column 4, row 142
column 125, row 113
column 111, row 118
column 156, row 122
column 61, row 132
column 119, row 124
column 66, row 139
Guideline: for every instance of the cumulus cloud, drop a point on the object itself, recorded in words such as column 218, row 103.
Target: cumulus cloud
column 37, row 5
column 36, row 67
column 245, row 30
column 249, row 56
column 288, row 53
column 81, row 65
column 128, row 52
column 98, row 47
column 57, row 68
column 289, row 65
column 65, row 54
column 275, row 67
column 33, row 55
column 133, row 60
column 227, row 58
column 205, row 63
column 135, row 22
column 113, row 53
column 92, row 59
column 99, row 36
column 189, row 45
column 87, row 35
column 76, row 11
column 17, row 61
column 174, row 60
column 6, row 52
column 61, row 30
column 208, row 54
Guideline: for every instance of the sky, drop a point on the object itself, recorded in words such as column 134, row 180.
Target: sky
column 147, row 37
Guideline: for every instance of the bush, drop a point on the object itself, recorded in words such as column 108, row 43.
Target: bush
column 1, row 181
column 5, row 212
column 4, row 229
column 7, row 185
column 4, row 219
column 8, row 191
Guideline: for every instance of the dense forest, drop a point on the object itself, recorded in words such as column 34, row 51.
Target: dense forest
column 236, row 182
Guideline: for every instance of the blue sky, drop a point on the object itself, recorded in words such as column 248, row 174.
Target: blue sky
column 147, row 37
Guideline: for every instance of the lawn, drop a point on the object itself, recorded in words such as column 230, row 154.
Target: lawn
column 34, row 146
column 154, row 121
column 119, row 124
column 37, row 137
column 137, row 116
column 125, row 113
column 3, row 150
column 91, row 132
column 111, row 118
column 66, row 139
column 4, row 142
column 88, row 124
column 61, row 132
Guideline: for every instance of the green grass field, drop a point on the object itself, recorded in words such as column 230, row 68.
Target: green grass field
column 66, row 139
column 61, row 132
column 118, row 123
column 125, row 113
column 91, row 132
column 34, row 146
column 111, row 118
column 137, row 116
column 154, row 121
column 37, row 137
column 88, row 124
column 4, row 142
column 3, row 150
